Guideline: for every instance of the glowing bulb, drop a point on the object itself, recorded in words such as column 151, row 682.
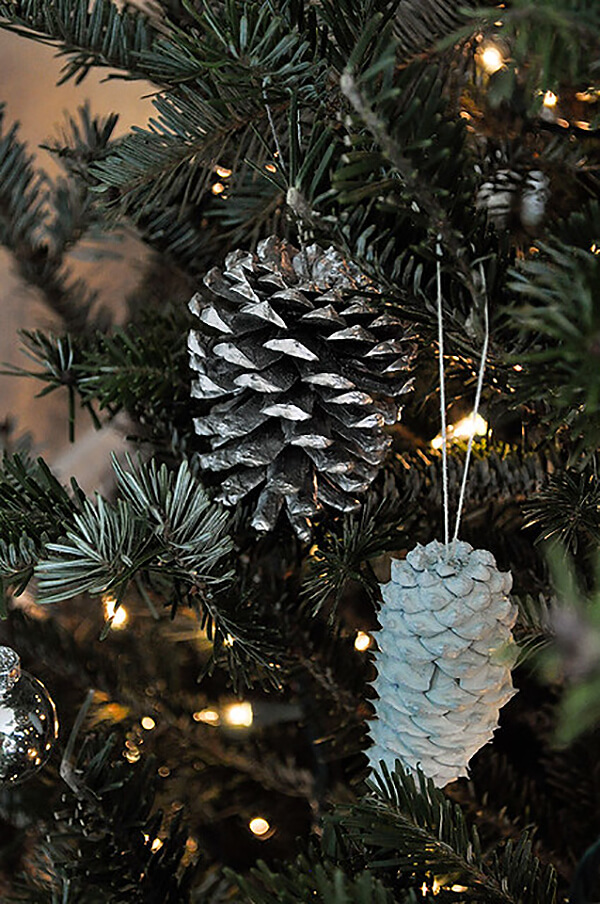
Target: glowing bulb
column 550, row 99
column 239, row 715
column 156, row 845
column 595, row 248
column 362, row 641
column 458, row 888
column 270, row 168
column 229, row 641
column 424, row 889
column 209, row 716
column 467, row 426
column 435, row 886
column 491, row 59
column 218, row 188
column 119, row 616
column 470, row 426
column 223, row 172
column 148, row 723
column 259, row 826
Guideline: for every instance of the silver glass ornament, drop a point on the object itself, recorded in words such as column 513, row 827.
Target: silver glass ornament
column 28, row 723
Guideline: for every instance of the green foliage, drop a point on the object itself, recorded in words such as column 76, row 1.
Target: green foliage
column 39, row 223
column 305, row 881
column 162, row 523
column 98, row 848
column 420, row 24
column 343, row 557
column 548, row 44
column 574, row 657
column 99, row 35
column 142, row 368
column 560, row 318
column 34, row 508
column 567, row 509
column 412, row 827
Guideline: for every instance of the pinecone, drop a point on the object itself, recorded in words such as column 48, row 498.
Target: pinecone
column 305, row 369
column 512, row 199
column 442, row 668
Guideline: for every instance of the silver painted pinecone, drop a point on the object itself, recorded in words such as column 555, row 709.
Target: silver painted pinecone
column 443, row 667
column 304, row 368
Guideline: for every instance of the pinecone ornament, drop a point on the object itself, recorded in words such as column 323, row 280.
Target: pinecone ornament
column 442, row 668
column 513, row 199
column 303, row 369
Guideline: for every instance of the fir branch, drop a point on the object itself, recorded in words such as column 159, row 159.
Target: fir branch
column 403, row 131
column 308, row 881
column 567, row 509
column 100, row 35
column 99, row 847
column 38, row 243
column 343, row 557
column 416, row 829
column 560, row 317
column 162, row 522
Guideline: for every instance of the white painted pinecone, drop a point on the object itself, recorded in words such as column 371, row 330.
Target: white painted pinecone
column 443, row 673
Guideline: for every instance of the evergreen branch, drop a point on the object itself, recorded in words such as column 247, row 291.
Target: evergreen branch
column 307, row 881
column 416, row 829
column 142, row 368
column 162, row 522
column 99, row 847
column 549, row 45
column 341, row 559
column 419, row 25
column 403, row 131
column 37, row 243
column 567, row 509
column 560, row 318
column 100, row 35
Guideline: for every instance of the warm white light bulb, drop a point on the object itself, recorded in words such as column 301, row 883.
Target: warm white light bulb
column 491, row 58
column 259, row 826
column 550, row 99
column 119, row 616
column 239, row 715
column 362, row 641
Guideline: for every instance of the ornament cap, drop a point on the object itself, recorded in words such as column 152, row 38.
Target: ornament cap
column 10, row 670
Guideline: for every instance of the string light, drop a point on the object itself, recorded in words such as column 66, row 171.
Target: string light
column 491, row 58
column 148, row 723
column 218, row 188
column 229, row 641
column 223, row 172
column 208, row 716
column 362, row 641
column 259, row 826
column 595, row 248
column 463, row 429
column 119, row 616
column 550, row 99
column 458, row 888
column 156, row 845
column 270, row 167
column 238, row 715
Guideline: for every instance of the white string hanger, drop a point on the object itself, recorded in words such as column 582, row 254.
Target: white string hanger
column 480, row 374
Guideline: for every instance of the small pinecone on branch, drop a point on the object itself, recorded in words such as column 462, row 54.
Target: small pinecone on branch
column 304, row 368
column 443, row 666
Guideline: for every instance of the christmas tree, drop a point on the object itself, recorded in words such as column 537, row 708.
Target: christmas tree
column 330, row 630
